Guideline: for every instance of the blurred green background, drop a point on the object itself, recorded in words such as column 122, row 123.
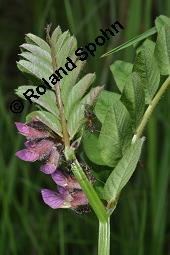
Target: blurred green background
column 141, row 222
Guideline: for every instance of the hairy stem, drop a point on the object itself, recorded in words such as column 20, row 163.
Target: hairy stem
column 104, row 238
column 150, row 109
column 66, row 139
column 91, row 194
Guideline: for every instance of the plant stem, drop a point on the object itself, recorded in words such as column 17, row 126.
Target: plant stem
column 88, row 189
column 104, row 238
column 150, row 109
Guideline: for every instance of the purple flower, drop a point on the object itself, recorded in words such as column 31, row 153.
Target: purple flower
column 41, row 145
column 63, row 198
column 68, row 182
column 55, row 199
column 52, row 162
column 30, row 132
column 36, row 151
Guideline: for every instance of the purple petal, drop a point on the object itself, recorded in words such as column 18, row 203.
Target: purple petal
column 22, row 128
column 59, row 178
column 53, row 199
column 27, row 155
column 48, row 168
column 43, row 148
column 30, row 132
column 79, row 198
column 54, row 157
column 65, row 181
column 65, row 193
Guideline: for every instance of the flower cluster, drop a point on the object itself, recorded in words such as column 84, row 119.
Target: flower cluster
column 42, row 145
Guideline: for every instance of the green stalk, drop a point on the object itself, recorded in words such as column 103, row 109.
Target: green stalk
column 104, row 238
column 98, row 207
column 91, row 194
column 150, row 109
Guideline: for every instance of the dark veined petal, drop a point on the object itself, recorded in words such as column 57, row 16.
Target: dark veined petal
column 43, row 148
column 27, row 155
column 65, row 193
column 65, row 181
column 52, row 162
column 54, row 200
column 36, row 151
column 59, row 178
column 30, row 132
column 48, row 168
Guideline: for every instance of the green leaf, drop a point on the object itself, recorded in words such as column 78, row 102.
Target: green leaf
column 61, row 40
column 132, row 41
column 40, row 42
column 76, row 118
column 121, row 70
column 162, row 50
column 47, row 101
column 35, row 59
column 48, row 119
column 78, row 92
column 35, row 69
column 56, row 34
column 133, row 98
column 105, row 99
column 92, row 148
column 161, row 21
column 147, row 68
column 114, row 128
column 70, row 80
column 43, row 55
column 67, row 50
column 123, row 171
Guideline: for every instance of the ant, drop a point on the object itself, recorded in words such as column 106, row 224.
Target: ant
column 90, row 116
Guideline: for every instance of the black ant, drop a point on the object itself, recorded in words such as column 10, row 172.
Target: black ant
column 82, row 209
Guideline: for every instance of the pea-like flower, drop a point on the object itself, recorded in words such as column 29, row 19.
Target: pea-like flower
column 39, row 145
column 63, row 198
column 62, row 180
column 33, row 130
column 69, row 195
